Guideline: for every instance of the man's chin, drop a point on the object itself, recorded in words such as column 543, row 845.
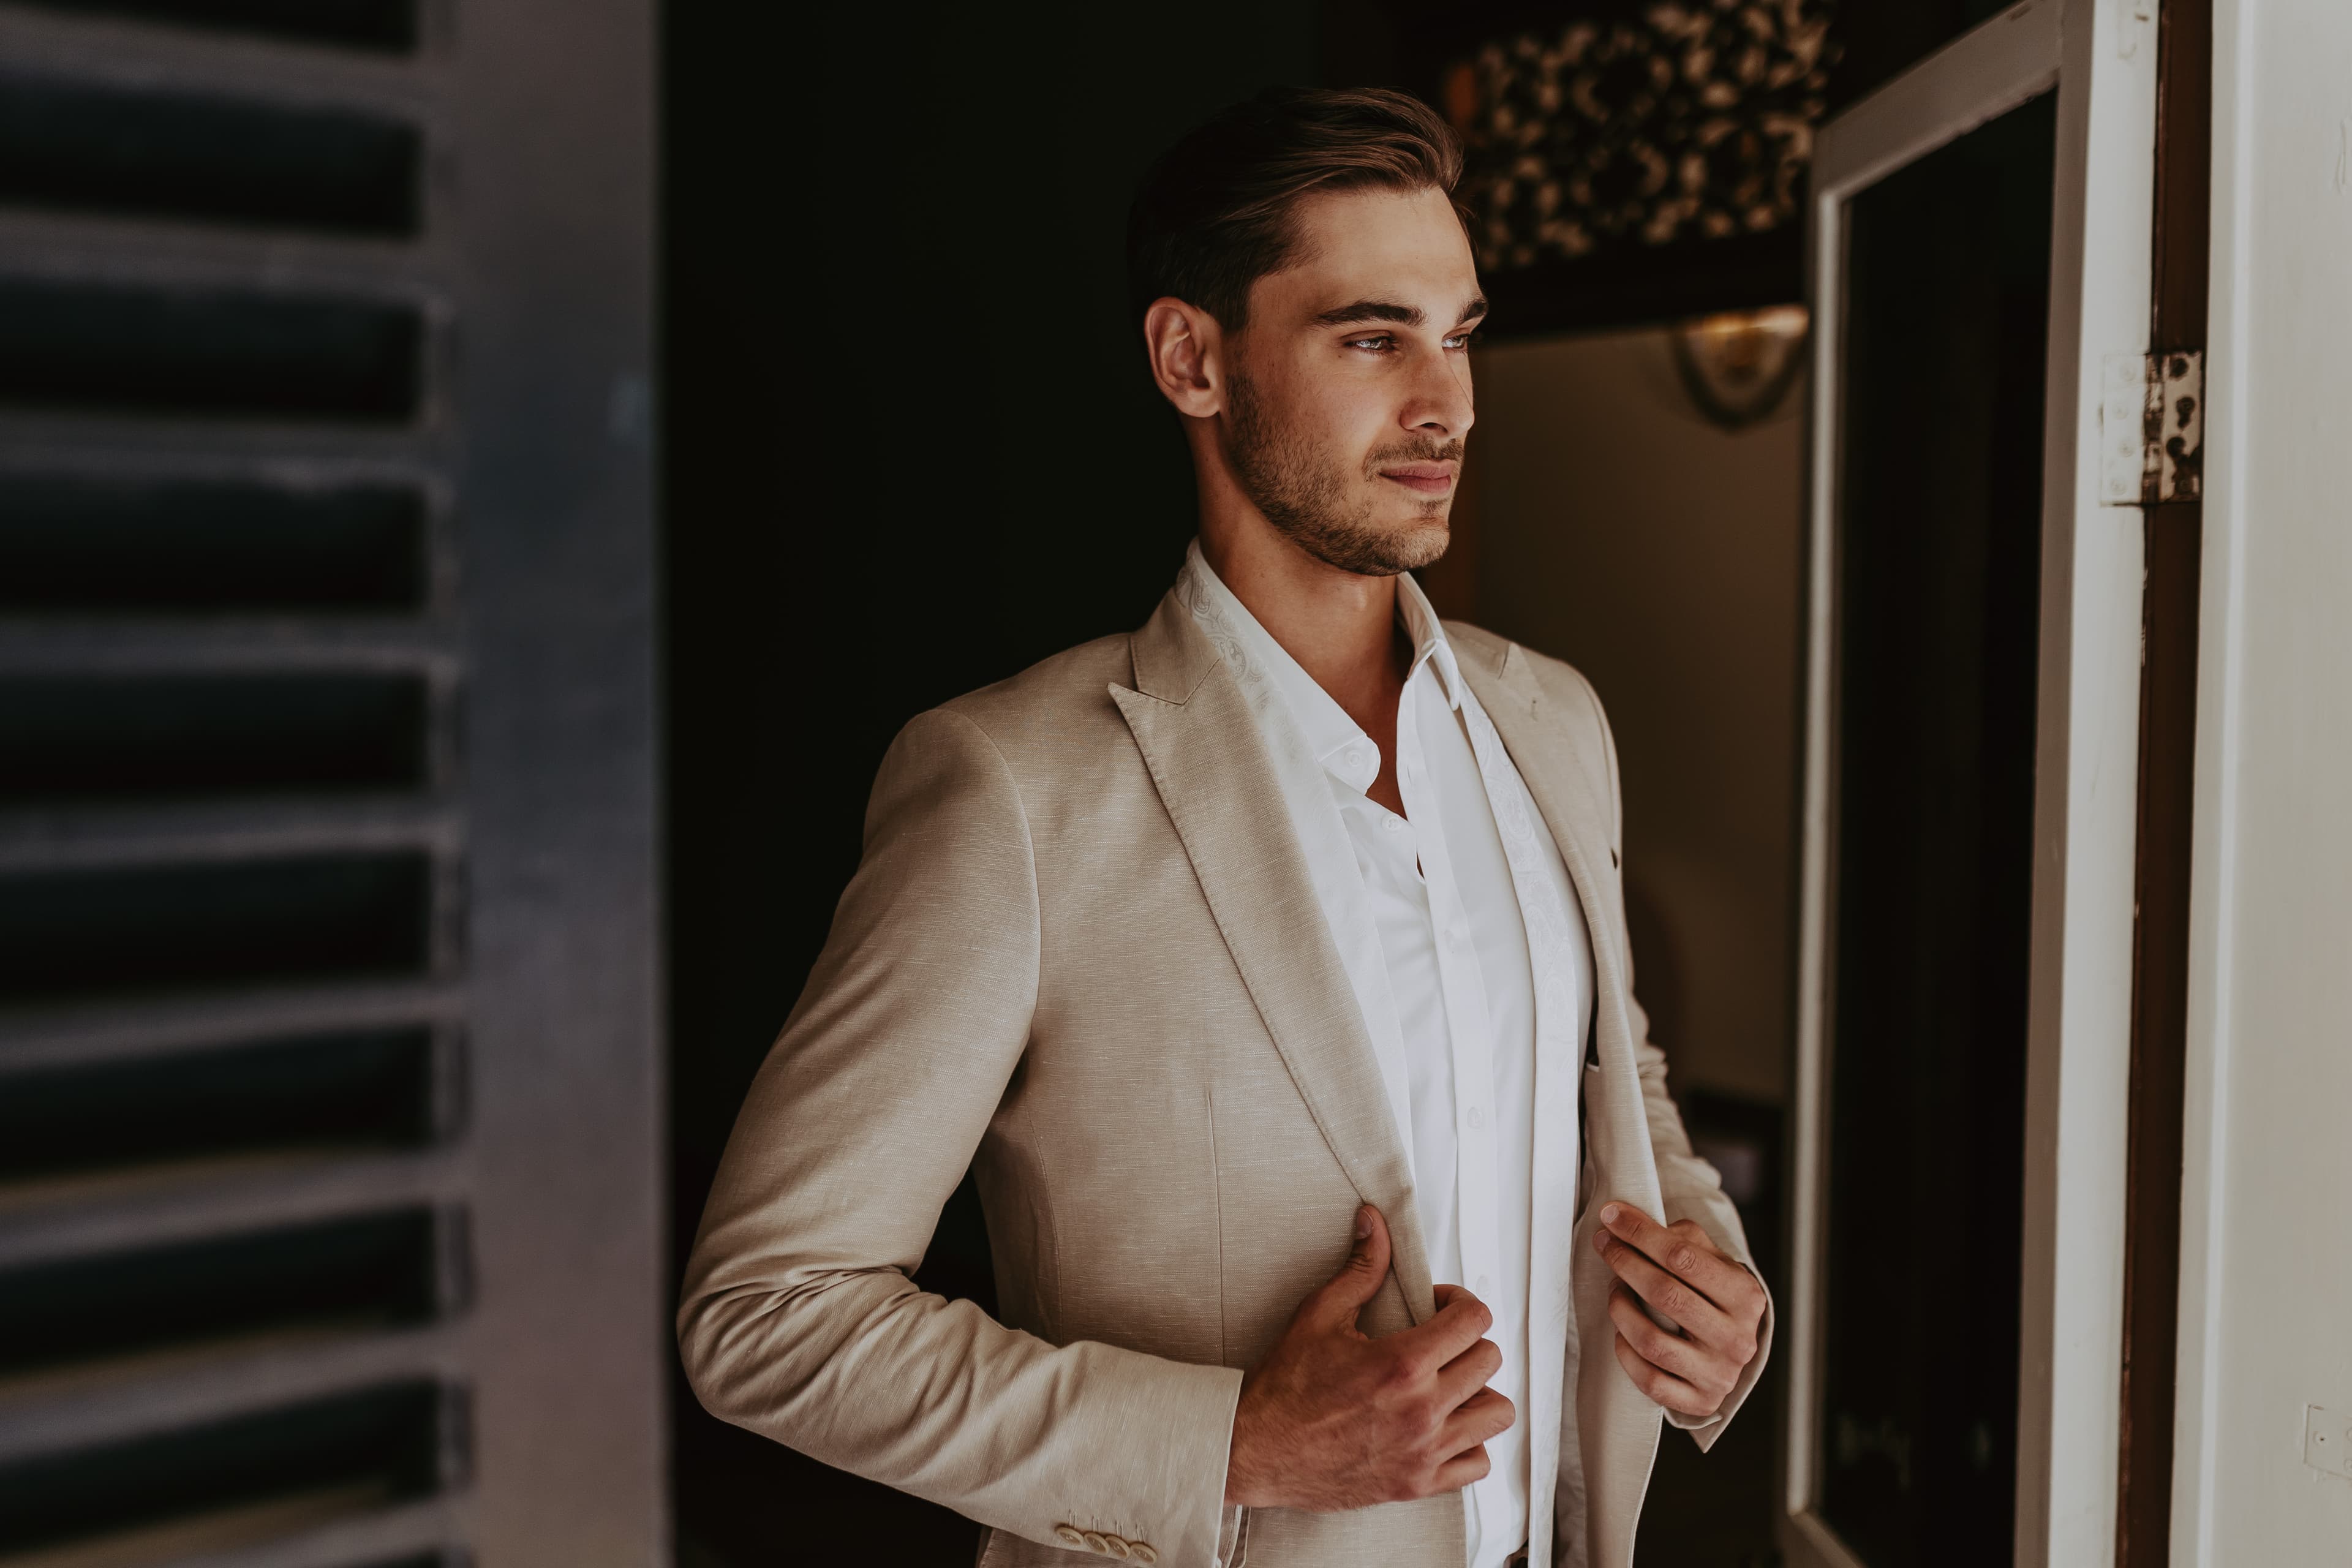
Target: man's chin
column 1370, row 545
column 1387, row 552
column 1420, row 541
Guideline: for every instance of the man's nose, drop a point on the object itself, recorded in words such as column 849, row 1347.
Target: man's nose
column 1441, row 396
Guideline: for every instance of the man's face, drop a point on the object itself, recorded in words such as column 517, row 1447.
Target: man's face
column 1350, row 388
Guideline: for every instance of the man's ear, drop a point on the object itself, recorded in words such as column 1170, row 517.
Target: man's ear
column 1187, row 348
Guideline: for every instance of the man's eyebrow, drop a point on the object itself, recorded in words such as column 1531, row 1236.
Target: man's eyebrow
column 1387, row 310
column 1371, row 310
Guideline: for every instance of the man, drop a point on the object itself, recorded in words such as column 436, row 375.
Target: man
column 1269, row 968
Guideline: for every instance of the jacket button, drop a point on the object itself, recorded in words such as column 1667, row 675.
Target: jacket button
column 1117, row 1548
column 1069, row 1536
column 1096, row 1540
column 1143, row 1553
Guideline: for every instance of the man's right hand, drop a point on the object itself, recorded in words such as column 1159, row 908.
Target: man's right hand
column 1333, row 1418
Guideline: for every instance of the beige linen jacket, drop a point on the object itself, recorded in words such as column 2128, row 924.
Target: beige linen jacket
column 1081, row 954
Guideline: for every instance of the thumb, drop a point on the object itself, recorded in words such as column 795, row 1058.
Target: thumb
column 1360, row 1278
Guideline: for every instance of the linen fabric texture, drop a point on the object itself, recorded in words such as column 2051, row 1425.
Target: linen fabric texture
column 1458, row 929
column 1083, row 956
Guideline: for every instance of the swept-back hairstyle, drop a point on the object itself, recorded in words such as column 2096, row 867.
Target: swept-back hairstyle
column 1218, row 211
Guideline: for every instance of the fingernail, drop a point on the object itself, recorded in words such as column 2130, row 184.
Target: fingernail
column 1363, row 1223
column 1608, row 1214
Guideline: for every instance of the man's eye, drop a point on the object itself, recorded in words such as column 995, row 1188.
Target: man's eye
column 1462, row 339
column 1379, row 343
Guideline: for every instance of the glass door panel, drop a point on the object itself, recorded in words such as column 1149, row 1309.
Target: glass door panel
column 1939, row 547
column 1980, row 253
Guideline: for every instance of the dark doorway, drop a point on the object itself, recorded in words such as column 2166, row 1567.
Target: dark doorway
column 1937, row 611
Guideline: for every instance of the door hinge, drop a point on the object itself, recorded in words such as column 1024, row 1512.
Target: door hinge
column 2152, row 429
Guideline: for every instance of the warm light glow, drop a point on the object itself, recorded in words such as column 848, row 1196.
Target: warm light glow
column 1738, row 365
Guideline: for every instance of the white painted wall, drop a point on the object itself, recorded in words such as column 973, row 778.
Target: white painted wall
column 2266, row 1286
column 1662, row 556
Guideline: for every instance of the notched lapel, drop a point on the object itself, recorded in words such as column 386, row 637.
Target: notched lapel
column 1205, row 756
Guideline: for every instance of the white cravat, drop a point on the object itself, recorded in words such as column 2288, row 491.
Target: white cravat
column 1466, row 951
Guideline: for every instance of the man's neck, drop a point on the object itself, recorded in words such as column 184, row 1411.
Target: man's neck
column 1342, row 626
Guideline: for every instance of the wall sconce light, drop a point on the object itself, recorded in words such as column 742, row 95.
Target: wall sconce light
column 1738, row 366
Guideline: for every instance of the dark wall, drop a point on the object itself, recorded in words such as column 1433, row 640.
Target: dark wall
column 911, row 449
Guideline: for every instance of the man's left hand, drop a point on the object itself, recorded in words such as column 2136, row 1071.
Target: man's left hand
column 1713, row 1304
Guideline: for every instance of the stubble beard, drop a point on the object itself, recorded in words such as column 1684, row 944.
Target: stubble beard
column 1304, row 492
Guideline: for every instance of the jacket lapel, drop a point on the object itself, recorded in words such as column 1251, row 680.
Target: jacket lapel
column 1570, row 793
column 1211, row 767
column 1573, row 807
column 1615, row 1427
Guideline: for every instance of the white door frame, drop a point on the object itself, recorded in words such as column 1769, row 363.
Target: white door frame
column 2100, row 54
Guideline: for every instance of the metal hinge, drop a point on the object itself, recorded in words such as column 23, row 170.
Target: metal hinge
column 2152, row 429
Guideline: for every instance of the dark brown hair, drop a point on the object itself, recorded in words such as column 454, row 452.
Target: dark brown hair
column 1216, row 213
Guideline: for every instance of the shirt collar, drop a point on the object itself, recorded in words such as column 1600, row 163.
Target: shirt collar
column 1333, row 738
column 1428, row 634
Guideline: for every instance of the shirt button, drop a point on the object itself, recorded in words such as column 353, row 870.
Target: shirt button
column 1394, row 825
column 1483, row 1283
column 1354, row 759
column 1477, row 1117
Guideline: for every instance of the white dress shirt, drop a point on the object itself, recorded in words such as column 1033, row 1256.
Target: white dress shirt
column 1466, row 949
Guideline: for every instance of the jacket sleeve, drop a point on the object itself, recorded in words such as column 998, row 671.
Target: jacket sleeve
column 1688, row 1185
column 798, row 1319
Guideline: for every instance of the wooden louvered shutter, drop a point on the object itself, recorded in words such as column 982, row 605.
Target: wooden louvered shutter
column 329, row 1085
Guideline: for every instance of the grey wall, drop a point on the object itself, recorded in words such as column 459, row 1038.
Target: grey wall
column 556, row 128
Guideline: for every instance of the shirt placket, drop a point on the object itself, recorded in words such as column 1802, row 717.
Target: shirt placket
column 1554, row 936
column 1478, row 1201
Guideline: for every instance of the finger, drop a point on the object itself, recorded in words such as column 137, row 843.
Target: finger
column 1481, row 1418
column 1468, row 1373
column 1681, row 1249
column 1691, row 1312
column 1457, row 1325
column 1685, row 1359
column 1743, row 1299
column 1471, row 1465
column 1738, row 1292
column 1721, row 1278
column 1662, row 1386
column 1336, row 1304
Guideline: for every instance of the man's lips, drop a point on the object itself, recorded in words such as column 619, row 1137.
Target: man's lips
column 1429, row 478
